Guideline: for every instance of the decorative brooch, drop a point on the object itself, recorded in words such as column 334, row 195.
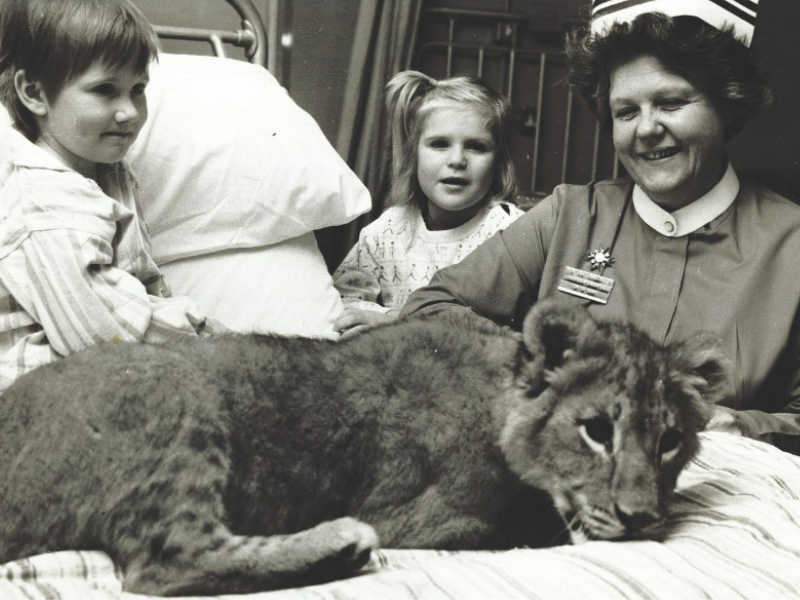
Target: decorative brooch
column 600, row 259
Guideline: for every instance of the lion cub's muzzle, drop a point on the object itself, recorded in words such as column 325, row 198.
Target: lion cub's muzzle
column 599, row 523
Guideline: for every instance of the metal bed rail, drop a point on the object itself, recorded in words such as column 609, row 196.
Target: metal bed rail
column 544, row 94
column 252, row 36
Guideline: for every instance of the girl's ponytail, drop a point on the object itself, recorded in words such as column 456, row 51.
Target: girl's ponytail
column 404, row 94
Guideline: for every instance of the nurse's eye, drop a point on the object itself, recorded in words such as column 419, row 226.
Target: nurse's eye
column 672, row 103
column 625, row 114
column 439, row 144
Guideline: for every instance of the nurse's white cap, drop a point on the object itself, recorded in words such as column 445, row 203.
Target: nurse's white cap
column 740, row 14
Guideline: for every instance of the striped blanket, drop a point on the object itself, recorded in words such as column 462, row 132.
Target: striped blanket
column 734, row 533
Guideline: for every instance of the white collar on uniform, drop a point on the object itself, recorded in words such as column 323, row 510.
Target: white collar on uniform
column 692, row 216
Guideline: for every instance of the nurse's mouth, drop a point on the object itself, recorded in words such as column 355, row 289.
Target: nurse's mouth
column 659, row 154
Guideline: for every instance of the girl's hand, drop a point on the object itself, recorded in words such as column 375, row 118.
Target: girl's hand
column 724, row 419
column 355, row 320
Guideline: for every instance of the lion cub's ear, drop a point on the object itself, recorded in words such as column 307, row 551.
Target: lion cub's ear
column 551, row 331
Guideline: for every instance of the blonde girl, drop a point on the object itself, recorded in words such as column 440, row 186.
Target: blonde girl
column 452, row 188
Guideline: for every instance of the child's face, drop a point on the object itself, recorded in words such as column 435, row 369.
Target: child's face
column 95, row 117
column 455, row 163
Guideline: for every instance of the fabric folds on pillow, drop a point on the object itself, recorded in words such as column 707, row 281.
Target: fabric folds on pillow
column 282, row 288
column 228, row 160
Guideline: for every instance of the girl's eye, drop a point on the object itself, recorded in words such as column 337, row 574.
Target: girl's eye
column 105, row 89
column 138, row 89
column 439, row 144
column 478, row 147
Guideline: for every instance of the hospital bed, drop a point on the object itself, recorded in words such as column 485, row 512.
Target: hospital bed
column 234, row 180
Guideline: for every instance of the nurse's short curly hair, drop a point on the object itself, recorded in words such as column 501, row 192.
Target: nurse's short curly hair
column 713, row 60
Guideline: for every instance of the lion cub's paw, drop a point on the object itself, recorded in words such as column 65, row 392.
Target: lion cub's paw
column 350, row 540
column 342, row 546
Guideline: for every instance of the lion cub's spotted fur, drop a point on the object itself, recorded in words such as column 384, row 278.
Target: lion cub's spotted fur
column 258, row 462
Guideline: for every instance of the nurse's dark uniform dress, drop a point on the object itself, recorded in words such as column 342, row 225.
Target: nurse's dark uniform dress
column 729, row 264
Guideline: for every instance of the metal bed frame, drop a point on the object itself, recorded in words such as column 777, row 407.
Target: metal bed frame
column 252, row 36
column 508, row 26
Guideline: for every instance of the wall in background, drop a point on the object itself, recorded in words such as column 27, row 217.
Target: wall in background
column 769, row 146
column 323, row 33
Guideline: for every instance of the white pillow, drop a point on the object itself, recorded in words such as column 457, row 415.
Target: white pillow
column 228, row 160
column 282, row 288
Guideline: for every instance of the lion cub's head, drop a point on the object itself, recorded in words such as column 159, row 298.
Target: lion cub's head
column 606, row 418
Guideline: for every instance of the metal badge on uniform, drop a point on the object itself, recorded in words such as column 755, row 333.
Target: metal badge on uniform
column 591, row 286
column 585, row 284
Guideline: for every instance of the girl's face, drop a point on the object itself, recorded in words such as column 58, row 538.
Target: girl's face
column 667, row 133
column 455, row 164
column 95, row 117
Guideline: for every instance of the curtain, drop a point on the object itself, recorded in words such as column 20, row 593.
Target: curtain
column 383, row 45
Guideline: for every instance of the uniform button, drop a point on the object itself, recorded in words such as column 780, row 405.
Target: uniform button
column 669, row 227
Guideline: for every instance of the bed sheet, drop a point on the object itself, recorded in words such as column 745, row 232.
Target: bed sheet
column 734, row 533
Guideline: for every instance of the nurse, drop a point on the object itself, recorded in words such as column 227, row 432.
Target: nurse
column 680, row 245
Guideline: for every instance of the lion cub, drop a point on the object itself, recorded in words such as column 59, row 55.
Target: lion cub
column 257, row 462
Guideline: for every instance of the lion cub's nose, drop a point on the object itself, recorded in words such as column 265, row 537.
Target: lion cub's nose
column 636, row 520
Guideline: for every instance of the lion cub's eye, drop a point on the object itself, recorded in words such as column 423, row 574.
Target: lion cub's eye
column 670, row 442
column 598, row 433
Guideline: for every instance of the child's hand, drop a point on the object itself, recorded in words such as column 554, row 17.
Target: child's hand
column 355, row 320
column 724, row 419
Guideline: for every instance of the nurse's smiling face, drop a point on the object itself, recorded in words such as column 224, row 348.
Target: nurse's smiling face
column 667, row 133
